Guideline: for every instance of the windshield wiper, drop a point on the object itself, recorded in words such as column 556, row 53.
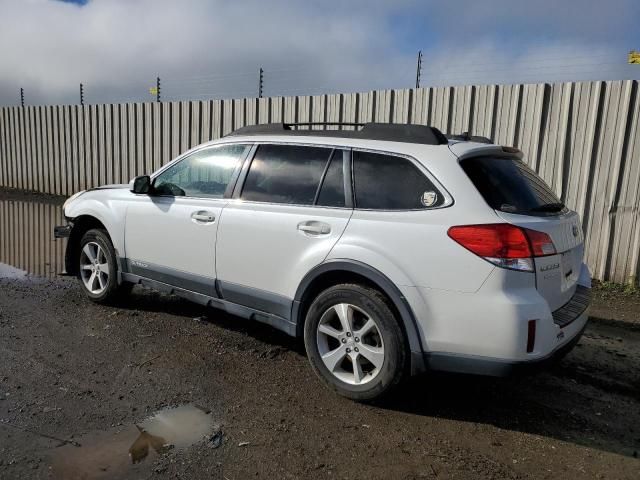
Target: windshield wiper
column 548, row 207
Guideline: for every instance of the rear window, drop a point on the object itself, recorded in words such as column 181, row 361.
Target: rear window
column 509, row 185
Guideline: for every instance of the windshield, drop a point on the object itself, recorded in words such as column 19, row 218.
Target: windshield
column 509, row 185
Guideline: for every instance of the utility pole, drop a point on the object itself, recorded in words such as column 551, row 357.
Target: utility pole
column 22, row 96
column 419, row 69
column 81, row 94
column 158, row 89
column 260, row 82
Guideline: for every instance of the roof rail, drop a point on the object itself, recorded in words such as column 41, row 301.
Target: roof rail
column 392, row 132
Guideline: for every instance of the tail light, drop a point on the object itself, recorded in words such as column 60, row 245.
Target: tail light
column 504, row 245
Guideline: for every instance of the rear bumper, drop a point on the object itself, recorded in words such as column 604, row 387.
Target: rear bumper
column 497, row 367
column 487, row 332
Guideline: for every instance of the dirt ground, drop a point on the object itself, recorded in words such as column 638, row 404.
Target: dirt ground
column 76, row 378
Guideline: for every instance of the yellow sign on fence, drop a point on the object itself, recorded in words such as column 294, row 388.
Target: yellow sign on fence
column 634, row 57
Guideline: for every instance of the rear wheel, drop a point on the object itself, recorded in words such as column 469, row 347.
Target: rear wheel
column 354, row 342
column 97, row 267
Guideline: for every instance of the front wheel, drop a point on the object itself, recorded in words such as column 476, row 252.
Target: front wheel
column 354, row 342
column 98, row 269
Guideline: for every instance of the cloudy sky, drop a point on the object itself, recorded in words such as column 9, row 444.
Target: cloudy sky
column 214, row 48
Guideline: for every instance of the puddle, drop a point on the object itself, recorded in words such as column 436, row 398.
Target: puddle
column 129, row 450
column 26, row 238
column 13, row 273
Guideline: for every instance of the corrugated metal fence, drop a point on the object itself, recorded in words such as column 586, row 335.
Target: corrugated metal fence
column 583, row 138
column 26, row 239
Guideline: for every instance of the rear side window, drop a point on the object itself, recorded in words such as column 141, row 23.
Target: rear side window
column 509, row 185
column 285, row 174
column 387, row 182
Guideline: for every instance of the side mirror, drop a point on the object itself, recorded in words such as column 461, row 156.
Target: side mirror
column 141, row 184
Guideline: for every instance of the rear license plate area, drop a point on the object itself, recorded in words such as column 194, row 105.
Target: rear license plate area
column 566, row 262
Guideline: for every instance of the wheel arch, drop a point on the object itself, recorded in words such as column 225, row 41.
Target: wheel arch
column 81, row 225
column 337, row 271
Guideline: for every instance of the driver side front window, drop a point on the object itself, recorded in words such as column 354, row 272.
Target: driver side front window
column 205, row 173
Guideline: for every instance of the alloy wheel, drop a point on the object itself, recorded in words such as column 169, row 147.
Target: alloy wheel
column 94, row 268
column 350, row 344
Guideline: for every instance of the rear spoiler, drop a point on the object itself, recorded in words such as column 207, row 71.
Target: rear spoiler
column 496, row 150
column 465, row 137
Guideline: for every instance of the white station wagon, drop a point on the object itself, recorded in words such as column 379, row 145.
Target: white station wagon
column 389, row 248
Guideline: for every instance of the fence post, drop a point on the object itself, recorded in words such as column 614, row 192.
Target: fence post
column 419, row 69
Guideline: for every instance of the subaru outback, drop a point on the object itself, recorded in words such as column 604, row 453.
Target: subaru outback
column 390, row 249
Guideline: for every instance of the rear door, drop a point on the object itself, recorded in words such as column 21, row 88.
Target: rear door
column 289, row 212
column 520, row 197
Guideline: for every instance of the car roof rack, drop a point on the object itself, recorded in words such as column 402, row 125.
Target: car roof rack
column 392, row 132
column 465, row 137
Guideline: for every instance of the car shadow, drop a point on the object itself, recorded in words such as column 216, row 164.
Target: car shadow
column 582, row 400
column 147, row 300
column 586, row 399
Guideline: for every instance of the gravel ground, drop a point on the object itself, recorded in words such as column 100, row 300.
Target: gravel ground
column 76, row 378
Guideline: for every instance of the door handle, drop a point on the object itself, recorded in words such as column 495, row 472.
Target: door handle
column 203, row 216
column 314, row 228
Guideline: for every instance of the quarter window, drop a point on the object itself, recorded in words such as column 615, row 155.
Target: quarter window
column 205, row 173
column 285, row 174
column 387, row 182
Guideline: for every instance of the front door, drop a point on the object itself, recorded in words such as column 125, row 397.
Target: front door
column 170, row 234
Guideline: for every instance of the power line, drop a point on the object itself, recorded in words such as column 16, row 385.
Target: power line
column 208, row 84
column 524, row 78
column 217, row 95
column 519, row 73
column 541, row 59
column 296, row 69
column 312, row 69
column 526, row 67
column 312, row 80
column 213, row 75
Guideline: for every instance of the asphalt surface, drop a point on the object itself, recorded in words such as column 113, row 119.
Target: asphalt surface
column 79, row 382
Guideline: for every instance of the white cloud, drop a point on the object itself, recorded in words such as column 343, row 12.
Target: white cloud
column 214, row 48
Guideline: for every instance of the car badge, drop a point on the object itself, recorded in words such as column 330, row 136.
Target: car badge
column 429, row 198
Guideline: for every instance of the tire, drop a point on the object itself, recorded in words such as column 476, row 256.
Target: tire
column 96, row 245
column 359, row 376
